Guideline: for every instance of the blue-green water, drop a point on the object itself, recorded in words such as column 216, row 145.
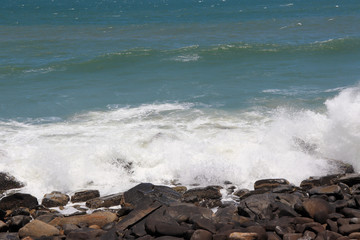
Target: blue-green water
column 86, row 83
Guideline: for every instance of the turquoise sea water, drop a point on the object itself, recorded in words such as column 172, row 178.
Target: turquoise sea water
column 198, row 91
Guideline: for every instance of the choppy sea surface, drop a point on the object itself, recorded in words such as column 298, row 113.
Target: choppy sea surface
column 100, row 94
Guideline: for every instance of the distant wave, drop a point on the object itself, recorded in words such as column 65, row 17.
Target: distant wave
column 187, row 55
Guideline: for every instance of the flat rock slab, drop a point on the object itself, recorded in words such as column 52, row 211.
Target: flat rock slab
column 270, row 183
column 106, row 201
column 83, row 196
column 334, row 190
column 18, row 200
column 243, row 236
column 97, row 218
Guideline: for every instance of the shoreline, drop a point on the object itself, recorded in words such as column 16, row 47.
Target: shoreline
column 326, row 207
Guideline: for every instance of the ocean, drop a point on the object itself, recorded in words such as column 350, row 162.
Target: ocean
column 105, row 94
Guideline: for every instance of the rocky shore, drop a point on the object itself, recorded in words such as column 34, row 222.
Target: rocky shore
column 321, row 208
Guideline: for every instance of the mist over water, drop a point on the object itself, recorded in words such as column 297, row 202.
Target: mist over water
column 107, row 94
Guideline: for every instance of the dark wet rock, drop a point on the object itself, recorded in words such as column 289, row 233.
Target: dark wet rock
column 280, row 209
column 137, row 214
column 343, row 221
column 8, row 182
column 355, row 189
column 162, row 194
column 20, row 211
column 209, row 203
column 201, row 234
column 349, row 179
column 138, row 230
column 83, row 196
column 242, row 193
column 318, row 209
column 211, row 192
column 332, row 225
column 182, row 212
column 18, row 200
column 124, row 211
column 9, row 236
column 335, row 216
column 270, row 183
column 3, row 226
column 272, row 236
column 203, row 223
column 310, row 183
column 339, row 204
column 349, row 228
column 281, row 231
column 306, row 226
column 147, row 237
column 169, row 238
column 17, row 222
column 55, row 199
column 105, row 201
column 259, row 230
column 69, row 228
column 302, row 220
column 48, row 217
column 292, row 236
column 228, row 214
column 284, row 189
column 171, row 228
column 351, row 212
column 84, row 234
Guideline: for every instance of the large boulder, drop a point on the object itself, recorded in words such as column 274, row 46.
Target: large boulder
column 38, row 229
column 18, row 200
column 55, row 199
column 8, row 182
column 97, row 218
column 164, row 195
column 318, row 209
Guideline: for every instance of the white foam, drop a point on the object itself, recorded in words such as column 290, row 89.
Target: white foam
column 116, row 149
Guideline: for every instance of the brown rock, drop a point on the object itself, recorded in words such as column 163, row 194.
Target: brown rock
column 83, row 196
column 3, row 226
column 318, row 209
column 243, row 236
column 309, row 234
column 349, row 228
column 203, row 223
column 292, row 236
column 351, row 212
column 67, row 228
column 95, row 226
column 210, row 192
column 354, row 235
column 97, row 218
column 38, row 229
column 55, row 199
column 106, row 201
column 328, row 235
column 18, row 200
column 8, row 182
column 180, row 189
column 272, row 236
column 270, row 183
column 327, row 190
column 9, row 236
column 85, row 234
column 201, row 234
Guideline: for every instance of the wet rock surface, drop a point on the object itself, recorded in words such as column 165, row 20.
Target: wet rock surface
column 326, row 207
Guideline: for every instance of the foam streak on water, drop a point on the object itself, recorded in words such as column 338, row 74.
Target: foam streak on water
column 116, row 149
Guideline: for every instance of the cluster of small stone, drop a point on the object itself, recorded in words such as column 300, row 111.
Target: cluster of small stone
column 323, row 208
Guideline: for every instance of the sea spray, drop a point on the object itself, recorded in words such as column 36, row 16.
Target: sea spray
column 160, row 143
